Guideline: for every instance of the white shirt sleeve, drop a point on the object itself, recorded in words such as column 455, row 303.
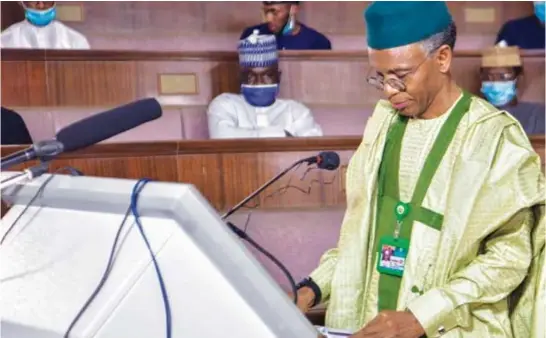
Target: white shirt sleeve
column 80, row 42
column 8, row 37
column 222, row 120
column 304, row 124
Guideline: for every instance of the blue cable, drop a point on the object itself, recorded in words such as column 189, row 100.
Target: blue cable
column 134, row 199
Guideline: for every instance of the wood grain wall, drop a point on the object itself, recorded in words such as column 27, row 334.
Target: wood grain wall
column 98, row 78
column 159, row 25
column 226, row 171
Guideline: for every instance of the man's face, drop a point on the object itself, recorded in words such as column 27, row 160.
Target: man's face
column 276, row 16
column 39, row 5
column 260, row 76
column 498, row 74
column 410, row 79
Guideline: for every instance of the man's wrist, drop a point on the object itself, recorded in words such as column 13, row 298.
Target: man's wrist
column 310, row 283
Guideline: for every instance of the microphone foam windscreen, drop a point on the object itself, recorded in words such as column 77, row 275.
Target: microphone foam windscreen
column 329, row 160
column 102, row 126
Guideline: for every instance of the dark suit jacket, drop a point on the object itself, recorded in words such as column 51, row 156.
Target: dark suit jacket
column 14, row 129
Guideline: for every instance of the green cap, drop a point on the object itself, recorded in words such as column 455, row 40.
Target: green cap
column 393, row 24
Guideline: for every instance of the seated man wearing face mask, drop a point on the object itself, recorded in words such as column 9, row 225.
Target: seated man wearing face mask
column 501, row 71
column 40, row 30
column 281, row 17
column 257, row 112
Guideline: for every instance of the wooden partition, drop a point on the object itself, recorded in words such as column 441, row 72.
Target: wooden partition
column 227, row 171
column 101, row 78
column 215, row 25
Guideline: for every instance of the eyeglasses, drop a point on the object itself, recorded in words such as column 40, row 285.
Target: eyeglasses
column 378, row 81
column 497, row 76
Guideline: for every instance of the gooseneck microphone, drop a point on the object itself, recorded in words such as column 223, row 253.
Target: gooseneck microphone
column 89, row 131
column 327, row 160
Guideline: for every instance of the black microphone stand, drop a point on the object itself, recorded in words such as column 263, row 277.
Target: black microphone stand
column 243, row 235
column 262, row 188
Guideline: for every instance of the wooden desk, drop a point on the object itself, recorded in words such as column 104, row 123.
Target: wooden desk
column 225, row 171
column 38, row 78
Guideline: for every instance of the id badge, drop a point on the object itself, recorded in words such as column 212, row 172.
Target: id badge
column 392, row 255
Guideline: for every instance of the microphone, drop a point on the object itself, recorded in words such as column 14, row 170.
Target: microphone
column 89, row 131
column 27, row 175
column 327, row 160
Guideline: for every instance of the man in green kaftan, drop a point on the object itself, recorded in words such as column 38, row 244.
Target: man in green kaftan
column 445, row 201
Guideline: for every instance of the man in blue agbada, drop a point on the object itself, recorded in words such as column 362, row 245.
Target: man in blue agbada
column 448, row 180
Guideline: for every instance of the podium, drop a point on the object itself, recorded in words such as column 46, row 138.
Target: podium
column 56, row 253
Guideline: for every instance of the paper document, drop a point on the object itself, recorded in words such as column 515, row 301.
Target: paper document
column 333, row 333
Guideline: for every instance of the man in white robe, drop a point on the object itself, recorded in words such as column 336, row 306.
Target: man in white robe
column 40, row 30
column 256, row 112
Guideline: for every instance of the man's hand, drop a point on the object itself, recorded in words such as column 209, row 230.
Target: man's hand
column 392, row 324
column 306, row 297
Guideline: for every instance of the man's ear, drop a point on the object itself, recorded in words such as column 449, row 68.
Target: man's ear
column 444, row 56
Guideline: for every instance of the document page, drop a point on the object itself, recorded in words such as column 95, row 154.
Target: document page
column 333, row 333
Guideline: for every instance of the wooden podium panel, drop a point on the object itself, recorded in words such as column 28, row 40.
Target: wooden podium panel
column 226, row 171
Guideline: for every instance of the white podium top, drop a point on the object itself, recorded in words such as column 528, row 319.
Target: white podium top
column 57, row 253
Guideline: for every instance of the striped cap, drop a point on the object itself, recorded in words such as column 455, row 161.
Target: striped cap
column 258, row 51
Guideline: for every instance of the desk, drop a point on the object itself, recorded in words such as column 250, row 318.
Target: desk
column 225, row 171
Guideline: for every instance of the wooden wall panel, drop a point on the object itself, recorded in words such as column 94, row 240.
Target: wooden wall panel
column 222, row 17
column 163, row 168
column 148, row 80
column 225, row 173
column 215, row 25
column 327, row 82
column 297, row 189
column 23, row 83
column 91, row 83
column 240, row 177
column 334, row 192
column 316, row 78
column 130, row 21
column 335, row 17
column 205, row 172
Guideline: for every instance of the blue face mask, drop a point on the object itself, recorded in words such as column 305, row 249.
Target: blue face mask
column 539, row 10
column 40, row 18
column 289, row 27
column 499, row 93
column 260, row 95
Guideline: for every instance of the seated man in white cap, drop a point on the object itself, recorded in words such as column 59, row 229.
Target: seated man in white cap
column 501, row 71
column 40, row 30
column 257, row 112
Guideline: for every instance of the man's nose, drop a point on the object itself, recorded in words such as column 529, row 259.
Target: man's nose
column 389, row 91
column 269, row 17
column 40, row 5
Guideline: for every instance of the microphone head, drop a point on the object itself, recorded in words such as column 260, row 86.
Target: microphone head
column 328, row 160
column 100, row 127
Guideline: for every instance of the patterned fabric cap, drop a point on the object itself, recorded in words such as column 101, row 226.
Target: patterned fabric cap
column 501, row 56
column 258, row 51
